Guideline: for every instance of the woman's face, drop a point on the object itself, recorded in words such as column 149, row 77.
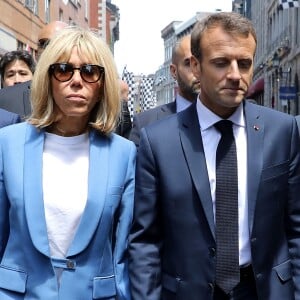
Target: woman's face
column 15, row 72
column 75, row 98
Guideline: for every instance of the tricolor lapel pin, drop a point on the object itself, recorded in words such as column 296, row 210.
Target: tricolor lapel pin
column 256, row 128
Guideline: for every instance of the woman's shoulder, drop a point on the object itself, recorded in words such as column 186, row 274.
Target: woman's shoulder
column 15, row 131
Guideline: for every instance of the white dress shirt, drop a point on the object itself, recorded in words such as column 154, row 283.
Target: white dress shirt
column 211, row 137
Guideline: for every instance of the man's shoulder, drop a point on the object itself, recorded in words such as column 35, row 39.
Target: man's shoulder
column 268, row 111
column 14, row 90
column 16, row 98
column 157, row 112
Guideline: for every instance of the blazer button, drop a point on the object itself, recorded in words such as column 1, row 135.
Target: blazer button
column 70, row 264
column 212, row 251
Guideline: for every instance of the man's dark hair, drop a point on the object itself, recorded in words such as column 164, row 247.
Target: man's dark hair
column 9, row 57
column 231, row 22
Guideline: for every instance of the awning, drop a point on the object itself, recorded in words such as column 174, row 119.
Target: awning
column 256, row 87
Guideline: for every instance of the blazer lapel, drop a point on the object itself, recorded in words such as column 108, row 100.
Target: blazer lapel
column 166, row 110
column 192, row 145
column 33, row 194
column 98, row 179
column 26, row 100
column 255, row 134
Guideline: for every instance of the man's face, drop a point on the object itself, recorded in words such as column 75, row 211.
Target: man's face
column 15, row 72
column 46, row 33
column 188, row 85
column 225, row 70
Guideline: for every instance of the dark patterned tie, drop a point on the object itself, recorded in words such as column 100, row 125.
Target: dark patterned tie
column 227, row 259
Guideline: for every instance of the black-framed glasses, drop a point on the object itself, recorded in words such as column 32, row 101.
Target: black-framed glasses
column 65, row 71
column 43, row 43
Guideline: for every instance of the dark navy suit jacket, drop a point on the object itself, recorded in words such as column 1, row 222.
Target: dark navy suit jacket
column 143, row 119
column 16, row 99
column 172, row 242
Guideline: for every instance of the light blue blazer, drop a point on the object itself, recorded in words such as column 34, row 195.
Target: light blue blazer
column 96, row 263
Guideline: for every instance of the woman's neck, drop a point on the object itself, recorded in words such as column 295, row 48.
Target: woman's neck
column 63, row 130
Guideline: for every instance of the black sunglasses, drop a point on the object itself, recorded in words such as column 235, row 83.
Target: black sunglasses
column 64, row 72
column 43, row 43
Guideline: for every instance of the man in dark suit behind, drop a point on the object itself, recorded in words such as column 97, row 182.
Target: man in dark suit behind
column 188, row 89
column 174, row 245
column 17, row 98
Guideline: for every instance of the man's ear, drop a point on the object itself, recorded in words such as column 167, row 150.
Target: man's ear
column 173, row 71
column 195, row 66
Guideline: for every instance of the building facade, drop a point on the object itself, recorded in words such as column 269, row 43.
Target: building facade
column 277, row 60
column 21, row 20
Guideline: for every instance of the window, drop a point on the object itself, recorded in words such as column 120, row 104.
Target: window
column 47, row 10
column 32, row 5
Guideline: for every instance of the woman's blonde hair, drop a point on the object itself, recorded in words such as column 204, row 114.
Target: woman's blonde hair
column 106, row 112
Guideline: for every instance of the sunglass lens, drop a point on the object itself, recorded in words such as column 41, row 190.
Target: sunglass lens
column 90, row 73
column 63, row 72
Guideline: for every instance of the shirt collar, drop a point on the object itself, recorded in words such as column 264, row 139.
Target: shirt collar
column 181, row 103
column 207, row 118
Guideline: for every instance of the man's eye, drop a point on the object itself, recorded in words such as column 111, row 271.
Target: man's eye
column 12, row 74
column 244, row 64
column 220, row 64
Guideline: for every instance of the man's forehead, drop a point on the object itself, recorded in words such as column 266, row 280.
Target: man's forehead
column 51, row 29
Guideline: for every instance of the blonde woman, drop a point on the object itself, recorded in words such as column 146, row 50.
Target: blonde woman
column 67, row 181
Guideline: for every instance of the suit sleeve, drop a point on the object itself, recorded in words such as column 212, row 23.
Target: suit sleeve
column 122, row 231
column 293, row 210
column 16, row 119
column 145, row 238
column 4, row 208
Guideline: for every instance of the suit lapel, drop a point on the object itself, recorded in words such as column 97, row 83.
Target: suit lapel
column 255, row 134
column 195, row 157
column 98, row 179
column 166, row 110
column 33, row 194
column 191, row 140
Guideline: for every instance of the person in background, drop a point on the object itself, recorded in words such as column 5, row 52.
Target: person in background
column 16, row 67
column 47, row 33
column 17, row 98
column 64, row 224
column 179, row 247
column 124, row 125
column 188, row 89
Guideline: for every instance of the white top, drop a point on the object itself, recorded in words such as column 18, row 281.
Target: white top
column 211, row 137
column 65, row 187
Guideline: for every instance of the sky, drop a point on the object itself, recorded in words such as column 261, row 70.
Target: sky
column 140, row 47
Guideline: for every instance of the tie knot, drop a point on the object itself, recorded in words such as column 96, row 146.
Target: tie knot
column 224, row 126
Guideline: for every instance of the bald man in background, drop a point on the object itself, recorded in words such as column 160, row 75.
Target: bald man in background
column 188, row 89
column 16, row 98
